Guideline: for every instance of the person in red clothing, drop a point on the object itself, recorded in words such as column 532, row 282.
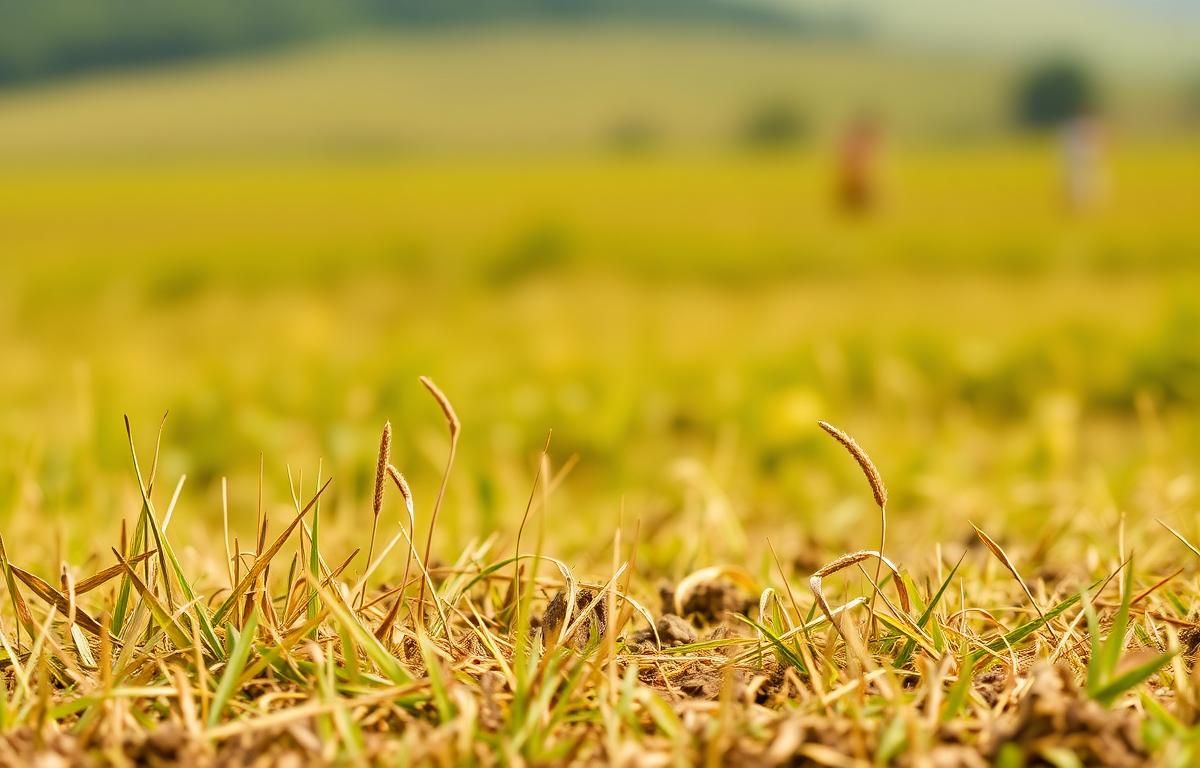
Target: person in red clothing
column 858, row 161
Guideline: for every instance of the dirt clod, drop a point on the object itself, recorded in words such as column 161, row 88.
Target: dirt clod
column 991, row 684
column 556, row 612
column 1054, row 713
column 673, row 631
column 709, row 603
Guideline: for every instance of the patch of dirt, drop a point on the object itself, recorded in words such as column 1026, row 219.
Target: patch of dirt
column 168, row 744
column 699, row 683
column 709, row 603
column 491, row 713
column 992, row 683
column 766, row 686
column 673, row 631
column 1189, row 638
column 1055, row 713
column 21, row 747
column 556, row 612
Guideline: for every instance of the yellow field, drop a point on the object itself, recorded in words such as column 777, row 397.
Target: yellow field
column 279, row 305
column 680, row 319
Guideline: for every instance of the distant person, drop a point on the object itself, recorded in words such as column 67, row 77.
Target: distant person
column 1085, row 181
column 858, row 165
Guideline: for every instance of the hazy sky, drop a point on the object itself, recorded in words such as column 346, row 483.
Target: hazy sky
column 1161, row 35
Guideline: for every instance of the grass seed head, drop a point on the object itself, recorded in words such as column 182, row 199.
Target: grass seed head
column 381, row 471
column 401, row 485
column 878, row 489
column 443, row 403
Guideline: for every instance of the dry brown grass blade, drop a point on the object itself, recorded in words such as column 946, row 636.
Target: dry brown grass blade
column 345, row 564
column 52, row 596
column 443, row 402
column 1182, row 539
column 24, row 617
column 878, row 490
column 385, row 627
column 1007, row 562
column 454, row 426
column 1155, row 587
column 101, row 578
column 845, row 561
column 264, row 559
column 308, row 710
column 389, row 620
column 543, row 462
column 159, row 612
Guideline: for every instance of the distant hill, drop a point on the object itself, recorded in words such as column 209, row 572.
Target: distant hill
column 47, row 38
column 506, row 88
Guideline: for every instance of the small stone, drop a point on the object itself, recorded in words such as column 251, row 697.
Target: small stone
column 673, row 631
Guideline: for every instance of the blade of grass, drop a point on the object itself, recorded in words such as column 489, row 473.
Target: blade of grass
column 56, row 599
column 1110, row 650
column 1109, row 693
column 910, row 646
column 167, row 554
column 386, row 662
column 264, row 559
column 1007, row 562
column 233, row 668
column 959, row 692
column 1015, row 636
column 787, row 653
column 161, row 616
column 101, row 578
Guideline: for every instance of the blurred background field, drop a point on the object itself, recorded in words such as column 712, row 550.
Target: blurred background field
column 619, row 228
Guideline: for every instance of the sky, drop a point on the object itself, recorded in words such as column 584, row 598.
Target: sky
column 1161, row 36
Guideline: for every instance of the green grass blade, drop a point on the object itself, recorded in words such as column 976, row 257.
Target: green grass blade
column 787, row 653
column 264, row 559
column 374, row 649
column 314, row 562
column 957, row 697
column 162, row 617
column 1110, row 650
column 437, row 680
column 233, row 668
column 207, row 633
column 1002, row 644
column 911, row 645
column 121, row 608
column 1093, row 621
column 1112, row 690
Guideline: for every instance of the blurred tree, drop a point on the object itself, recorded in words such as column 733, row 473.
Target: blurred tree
column 1054, row 92
column 774, row 124
column 633, row 133
column 1191, row 103
column 43, row 38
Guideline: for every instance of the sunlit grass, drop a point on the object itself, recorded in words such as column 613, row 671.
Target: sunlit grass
column 1026, row 382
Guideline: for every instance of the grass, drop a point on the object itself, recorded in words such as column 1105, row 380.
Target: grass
column 280, row 661
column 1063, row 430
column 240, row 584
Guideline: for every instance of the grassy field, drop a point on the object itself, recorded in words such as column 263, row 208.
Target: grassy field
column 681, row 320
